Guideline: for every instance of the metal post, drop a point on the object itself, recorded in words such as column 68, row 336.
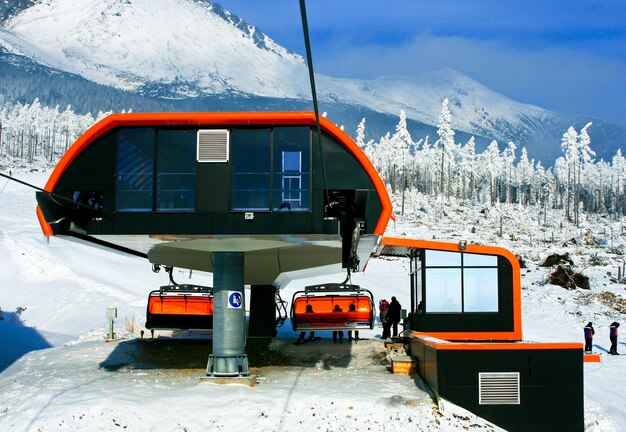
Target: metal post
column 111, row 315
column 228, row 358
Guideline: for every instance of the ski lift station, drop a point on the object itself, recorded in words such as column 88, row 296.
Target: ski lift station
column 250, row 196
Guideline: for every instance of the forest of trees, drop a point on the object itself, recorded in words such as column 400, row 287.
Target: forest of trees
column 438, row 167
column 33, row 132
column 446, row 168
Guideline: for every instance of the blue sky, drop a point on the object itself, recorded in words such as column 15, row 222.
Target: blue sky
column 562, row 55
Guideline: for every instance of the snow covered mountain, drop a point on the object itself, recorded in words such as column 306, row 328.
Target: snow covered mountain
column 191, row 46
column 181, row 49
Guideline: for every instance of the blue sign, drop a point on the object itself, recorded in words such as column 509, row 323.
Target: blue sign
column 235, row 300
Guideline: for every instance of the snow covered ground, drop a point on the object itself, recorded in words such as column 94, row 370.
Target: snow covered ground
column 57, row 373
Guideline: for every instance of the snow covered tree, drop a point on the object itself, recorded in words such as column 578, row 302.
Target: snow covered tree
column 525, row 173
column 569, row 143
column 445, row 141
column 508, row 159
column 618, row 169
column 584, row 157
column 492, row 164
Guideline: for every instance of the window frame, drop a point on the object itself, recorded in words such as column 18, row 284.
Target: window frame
column 464, row 286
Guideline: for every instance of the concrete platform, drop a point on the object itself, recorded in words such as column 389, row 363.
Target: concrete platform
column 249, row 381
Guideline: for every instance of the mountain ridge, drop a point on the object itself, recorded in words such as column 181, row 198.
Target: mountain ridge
column 215, row 54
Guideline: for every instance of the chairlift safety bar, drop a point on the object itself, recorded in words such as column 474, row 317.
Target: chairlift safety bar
column 185, row 289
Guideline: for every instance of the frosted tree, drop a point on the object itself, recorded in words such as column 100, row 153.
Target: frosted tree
column 445, row 141
column 569, row 147
column 360, row 134
column 492, row 164
column 508, row 159
column 618, row 169
column 401, row 146
column 468, row 167
column 584, row 155
column 525, row 173
column 541, row 189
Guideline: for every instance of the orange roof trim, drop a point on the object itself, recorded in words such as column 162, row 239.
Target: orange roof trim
column 444, row 345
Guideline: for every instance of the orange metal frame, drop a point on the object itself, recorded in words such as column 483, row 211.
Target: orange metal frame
column 222, row 119
column 514, row 335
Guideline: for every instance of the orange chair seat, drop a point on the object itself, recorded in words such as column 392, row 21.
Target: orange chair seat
column 180, row 305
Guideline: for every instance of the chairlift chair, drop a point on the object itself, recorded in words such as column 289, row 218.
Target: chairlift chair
column 180, row 307
column 332, row 307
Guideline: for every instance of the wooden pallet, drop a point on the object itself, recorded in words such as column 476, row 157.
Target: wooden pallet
column 403, row 365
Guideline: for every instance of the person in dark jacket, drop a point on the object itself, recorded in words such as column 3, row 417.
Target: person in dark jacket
column 383, row 305
column 613, row 332
column 393, row 315
column 589, row 332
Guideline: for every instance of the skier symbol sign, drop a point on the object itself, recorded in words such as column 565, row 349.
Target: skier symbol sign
column 235, row 300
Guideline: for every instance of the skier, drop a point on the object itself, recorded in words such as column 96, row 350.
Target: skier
column 589, row 332
column 613, row 332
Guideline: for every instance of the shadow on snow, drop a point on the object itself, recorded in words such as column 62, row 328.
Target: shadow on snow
column 16, row 339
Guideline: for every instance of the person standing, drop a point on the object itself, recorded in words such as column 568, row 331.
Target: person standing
column 337, row 309
column 383, row 305
column 356, row 332
column 613, row 332
column 589, row 332
column 393, row 315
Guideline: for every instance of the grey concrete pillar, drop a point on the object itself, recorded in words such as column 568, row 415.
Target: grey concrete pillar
column 228, row 358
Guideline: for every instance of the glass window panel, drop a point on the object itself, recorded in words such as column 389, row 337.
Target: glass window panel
column 292, row 161
column 292, row 169
column 135, row 170
column 251, row 163
column 176, row 170
column 442, row 259
column 443, row 290
column 480, row 289
column 470, row 260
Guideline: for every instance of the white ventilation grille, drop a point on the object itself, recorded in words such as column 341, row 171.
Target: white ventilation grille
column 498, row 388
column 213, row 145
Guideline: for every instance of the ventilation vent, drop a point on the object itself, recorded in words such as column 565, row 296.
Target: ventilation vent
column 213, row 145
column 498, row 388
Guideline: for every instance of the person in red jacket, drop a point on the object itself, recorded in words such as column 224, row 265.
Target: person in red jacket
column 613, row 332
column 383, row 305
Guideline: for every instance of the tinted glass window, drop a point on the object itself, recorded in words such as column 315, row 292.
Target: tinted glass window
column 443, row 290
column 176, row 170
column 292, row 169
column 458, row 282
column 135, row 166
column 480, row 289
column 250, row 157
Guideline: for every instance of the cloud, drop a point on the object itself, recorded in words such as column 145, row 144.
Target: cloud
column 555, row 78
